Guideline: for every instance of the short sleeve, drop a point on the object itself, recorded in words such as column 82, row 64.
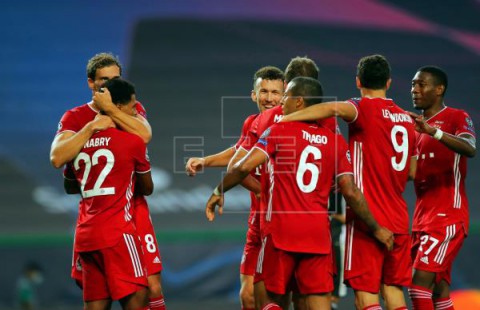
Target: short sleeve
column 251, row 136
column 245, row 130
column 267, row 142
column 344, row 158
column 141, row 110
column 142, row 161
column 464, row 124
column 68, row 122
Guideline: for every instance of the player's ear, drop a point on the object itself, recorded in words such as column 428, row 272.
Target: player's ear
column 253, row 95
column 389, row 82
column 91, row 84
column 299, row 102
column 357, row 81
column 439, row 90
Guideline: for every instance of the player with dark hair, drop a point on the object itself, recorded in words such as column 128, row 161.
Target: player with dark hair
column 267, row 93
column 295, row 225
column 382, row 141
column 111, row 166
column 79, row 124
column 445, row 138
column 301, row 66
column 297, row 65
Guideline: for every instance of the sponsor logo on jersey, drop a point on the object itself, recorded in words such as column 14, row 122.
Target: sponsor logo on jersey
column 78, row 264
column 424, row 260
column 157, row 260
column 349, row 158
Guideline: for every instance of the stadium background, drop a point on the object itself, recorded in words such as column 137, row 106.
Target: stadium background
column 192, row 63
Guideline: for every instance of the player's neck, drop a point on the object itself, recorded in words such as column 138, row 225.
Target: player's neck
column 373, row 93
column 93, row 106
column 433, row 110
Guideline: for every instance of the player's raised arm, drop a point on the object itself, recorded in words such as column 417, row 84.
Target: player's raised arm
column 66, row 145
column 137, row 124
column 342, row 109
column 463, row 144
column 355, row 199
column 233, row 177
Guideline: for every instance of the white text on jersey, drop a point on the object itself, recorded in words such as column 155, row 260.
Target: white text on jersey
column 397, row 117
column 277, row 118
column 103, row 141
column 317, row 139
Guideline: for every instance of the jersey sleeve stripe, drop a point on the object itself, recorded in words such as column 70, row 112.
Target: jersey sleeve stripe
column 256, row 147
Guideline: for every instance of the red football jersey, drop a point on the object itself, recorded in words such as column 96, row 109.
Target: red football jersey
column 105, row 170
column 382, row 142
column 272, row 116
column 253, row 218
column 76, row 118
column 441, row 173
column 245, row 129
column 304, row 158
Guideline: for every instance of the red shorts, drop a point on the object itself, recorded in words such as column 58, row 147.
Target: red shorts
column 250, row 251
column 143, row 223
column 435, row 249
column 368, row 263
column 115, row 272
column 76, row 271
column 313, row 272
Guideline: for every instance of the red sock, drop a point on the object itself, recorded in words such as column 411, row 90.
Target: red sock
column 373, row 307
column 443, row 304
column 271, row 306
column 421, row 297
column 157, row 303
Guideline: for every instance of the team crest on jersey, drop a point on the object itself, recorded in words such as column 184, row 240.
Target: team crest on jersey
column 348, row 156
column 469, row 123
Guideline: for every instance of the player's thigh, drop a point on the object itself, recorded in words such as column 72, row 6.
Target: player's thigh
column 124, row 265
column 251, row 250
column 364, row 258
column 276, row 266
column 397, row 268
column 314, row 273
column 94, row 279
column 438, row 248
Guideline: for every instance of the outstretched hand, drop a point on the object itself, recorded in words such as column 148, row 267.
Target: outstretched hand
column 212, row 202
column 194, row 165
column 385, row 236
column 421, row 125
